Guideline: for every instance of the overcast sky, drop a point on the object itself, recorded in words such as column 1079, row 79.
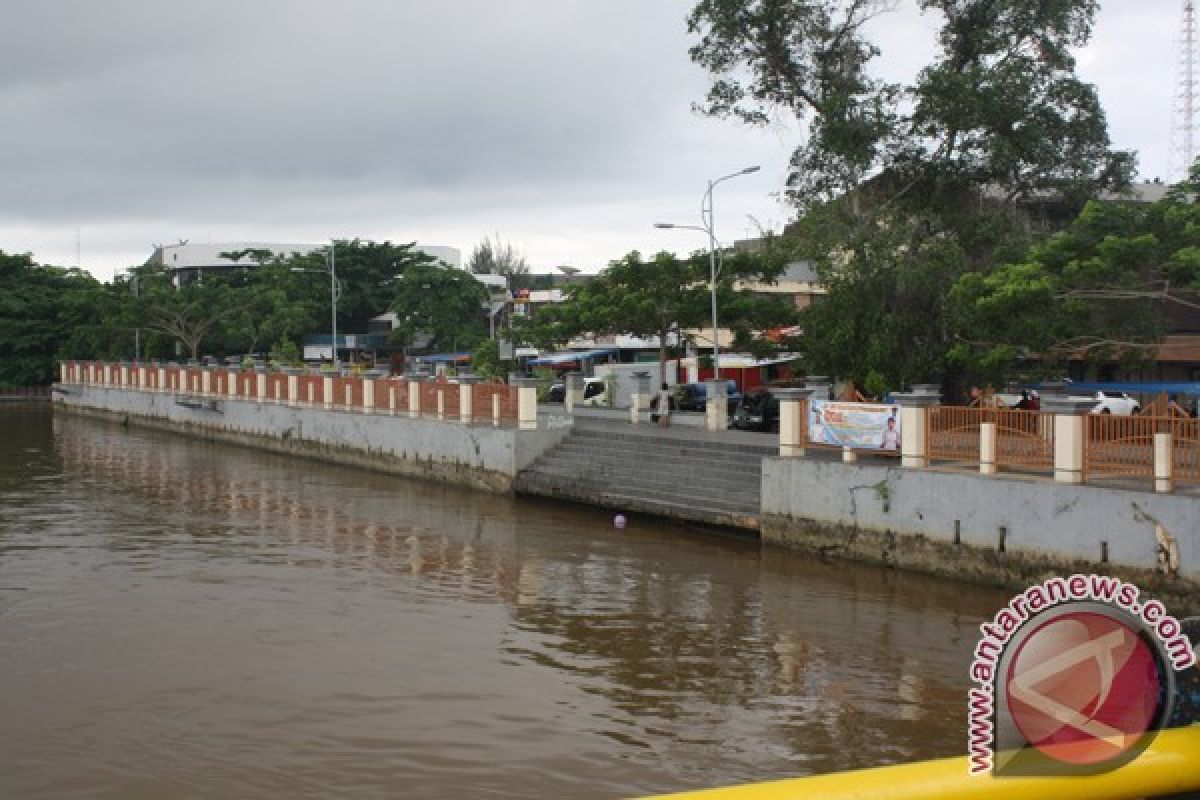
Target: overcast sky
column 563, row 126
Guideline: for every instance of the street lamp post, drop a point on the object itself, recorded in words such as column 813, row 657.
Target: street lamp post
column 708, row 226
column 331, row 268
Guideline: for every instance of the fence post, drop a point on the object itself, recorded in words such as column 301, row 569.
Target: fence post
column 526, row 403
column 716, row 405
column 466, row 396
column 573, row 391
column 142, row 375
column 496, row 410
column 327, row 389
column 1164, row 478
column 369, row 383
column 414, row 393
column 793, row 420
column 1069, row 435
column 987, row 448
column 260, row 382
column 914, row 424
column 293, row 385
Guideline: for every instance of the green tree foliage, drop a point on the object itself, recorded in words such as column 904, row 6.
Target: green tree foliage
column 441, row 301
column 905, row 188
column 653, row 298
column 1100, row 289
column 46, row 313
column 495, row 257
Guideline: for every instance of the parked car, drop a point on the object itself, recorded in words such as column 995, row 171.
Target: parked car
column 694, row 396
column 557, row 393
column 1118, row 404
column 758, row 411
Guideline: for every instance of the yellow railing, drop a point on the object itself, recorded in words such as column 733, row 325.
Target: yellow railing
column 1170, row 765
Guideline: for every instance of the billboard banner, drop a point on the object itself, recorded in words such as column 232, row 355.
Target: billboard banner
column 861, row 426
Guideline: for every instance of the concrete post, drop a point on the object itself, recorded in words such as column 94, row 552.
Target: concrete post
column 716, row 406
column 574, row 391
column 1069, row 413
column 143, row 375
column 793, row 420
column 913, row 420
column 108, row 374
column 414, row 393
column 260, row 384
column 849, row 456
column 369, row 383
column 162, row 378
column 466, row 396
column 643, row 393
column 441, row 402
column 819, row 385
column 124, row 374
column 987, row 448
column 206, row 380
column 391, row 398
column 327, row 390
column 496, row 411
column 293, row 385
column 1164, row 478
column 526, row 403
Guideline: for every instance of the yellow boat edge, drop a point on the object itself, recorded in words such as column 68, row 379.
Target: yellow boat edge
column 1171, row 764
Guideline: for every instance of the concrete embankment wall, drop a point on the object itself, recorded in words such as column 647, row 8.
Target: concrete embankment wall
column 1006, row 530
column 480, row 456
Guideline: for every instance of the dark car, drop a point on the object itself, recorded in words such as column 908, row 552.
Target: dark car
column 557, row 393
column 758, row 411
column 694, row 396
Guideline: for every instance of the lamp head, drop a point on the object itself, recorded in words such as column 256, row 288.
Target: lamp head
column 664, row 225
column 748, row 170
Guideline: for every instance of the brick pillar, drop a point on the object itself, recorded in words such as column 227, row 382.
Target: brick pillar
column 1164, row 478
column 526, row 403
column 987, row 448
column 466, row 396
column 793, row 420
column 369, row 384
column 716, row 405
column 1069, row 433
column 573, row 391
column 414, row 393
column 914, row 419
column 293, row 385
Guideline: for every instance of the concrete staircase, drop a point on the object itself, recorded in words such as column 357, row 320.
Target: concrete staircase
column 678, row 473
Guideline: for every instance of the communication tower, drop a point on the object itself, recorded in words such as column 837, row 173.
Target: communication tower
column 1183, row 120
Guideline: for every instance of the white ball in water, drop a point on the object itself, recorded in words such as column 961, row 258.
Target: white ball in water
column 619, row 521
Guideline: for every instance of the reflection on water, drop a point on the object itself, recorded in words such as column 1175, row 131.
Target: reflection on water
column 184, row 619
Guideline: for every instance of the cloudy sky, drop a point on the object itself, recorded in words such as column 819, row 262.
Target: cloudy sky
column 562, row 126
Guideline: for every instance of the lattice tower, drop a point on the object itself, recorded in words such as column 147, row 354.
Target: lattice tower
column 1183, row 120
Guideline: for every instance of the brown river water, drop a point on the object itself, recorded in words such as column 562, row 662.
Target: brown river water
column 185, row 619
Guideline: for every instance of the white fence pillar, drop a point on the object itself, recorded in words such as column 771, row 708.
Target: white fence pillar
column 1069, row 416
column 414, row 394
column 987, row 448
column 526, row 403
column 793, row 422
column 914, row 419
column 466, row 397
column 573, row 391
column 1164, row 476
column 716, row 406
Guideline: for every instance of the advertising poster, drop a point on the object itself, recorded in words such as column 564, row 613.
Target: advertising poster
column 862, row 426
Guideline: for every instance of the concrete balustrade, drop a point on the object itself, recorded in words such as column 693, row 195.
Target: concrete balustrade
column 1069, row 414
column 573, row 386
column 716, row 406
column 1164, row 462
column 793, row 420
column 526, row 403
column 914, row 422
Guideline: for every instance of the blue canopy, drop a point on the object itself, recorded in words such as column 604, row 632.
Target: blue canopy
column 558, row 359
column 444, row 358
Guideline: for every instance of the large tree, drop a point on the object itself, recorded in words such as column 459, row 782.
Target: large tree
column 904, row 188
column 446, row 303
column 46, row 313
column 653, row 298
